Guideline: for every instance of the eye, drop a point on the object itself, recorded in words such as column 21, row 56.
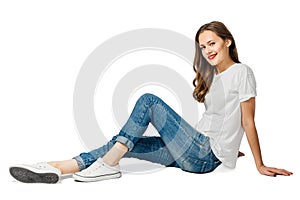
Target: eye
column 202, row 47
column 212, row 44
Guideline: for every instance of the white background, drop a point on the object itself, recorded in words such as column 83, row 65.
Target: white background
column 44, row 43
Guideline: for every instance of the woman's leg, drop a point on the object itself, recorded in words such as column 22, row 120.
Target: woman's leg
column 66, row 166
column 152, row 149
column 176, row 135
column 177, row 142
column 114, row 155
column 147, row 148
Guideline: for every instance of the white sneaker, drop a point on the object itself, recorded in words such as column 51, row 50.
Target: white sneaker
column 37, row 173
column 98, row 171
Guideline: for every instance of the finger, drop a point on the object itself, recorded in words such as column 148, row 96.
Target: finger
column 280, row 172
column 288, row 172
column 284, row 172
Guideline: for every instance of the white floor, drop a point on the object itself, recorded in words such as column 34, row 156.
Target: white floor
column 166, row 183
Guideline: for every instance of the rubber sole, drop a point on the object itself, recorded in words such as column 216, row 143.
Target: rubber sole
column 79, row 178
column 27, row 176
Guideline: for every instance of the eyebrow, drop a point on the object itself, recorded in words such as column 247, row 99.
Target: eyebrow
column 209, row 41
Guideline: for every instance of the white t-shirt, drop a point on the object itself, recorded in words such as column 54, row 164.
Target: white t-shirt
column 221, row 120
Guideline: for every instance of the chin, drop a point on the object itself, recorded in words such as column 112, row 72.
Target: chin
column 213, row 63
column 216, row 62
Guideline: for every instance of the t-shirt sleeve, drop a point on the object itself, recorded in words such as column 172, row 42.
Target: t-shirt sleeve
column 247, row 86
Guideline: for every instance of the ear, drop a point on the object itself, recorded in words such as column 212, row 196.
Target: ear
column 228, row 42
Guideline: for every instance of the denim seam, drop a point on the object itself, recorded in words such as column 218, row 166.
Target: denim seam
column 146, row 106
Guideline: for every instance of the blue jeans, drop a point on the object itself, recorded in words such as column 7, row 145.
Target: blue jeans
column 179, row 144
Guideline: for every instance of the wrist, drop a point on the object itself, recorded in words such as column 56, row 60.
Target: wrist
column 259, row 165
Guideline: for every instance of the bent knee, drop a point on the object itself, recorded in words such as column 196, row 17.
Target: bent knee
column 148, row 96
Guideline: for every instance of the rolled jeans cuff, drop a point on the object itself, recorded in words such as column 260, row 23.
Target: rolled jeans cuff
column 125, row 141
column 80, row 162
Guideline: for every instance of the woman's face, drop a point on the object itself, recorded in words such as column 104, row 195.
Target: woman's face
column 214, row 49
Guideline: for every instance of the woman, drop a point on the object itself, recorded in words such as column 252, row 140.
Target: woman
column 222, row 83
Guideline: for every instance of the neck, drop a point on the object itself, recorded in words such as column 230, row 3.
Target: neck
column 224, row 65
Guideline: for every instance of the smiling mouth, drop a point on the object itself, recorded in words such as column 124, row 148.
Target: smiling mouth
column 212, row 56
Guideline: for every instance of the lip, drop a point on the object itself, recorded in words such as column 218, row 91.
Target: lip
column 212, row 56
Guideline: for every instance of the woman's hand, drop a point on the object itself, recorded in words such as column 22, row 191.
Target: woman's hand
column 272, row 171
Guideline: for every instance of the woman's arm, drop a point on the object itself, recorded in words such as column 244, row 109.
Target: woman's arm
column 248, row 112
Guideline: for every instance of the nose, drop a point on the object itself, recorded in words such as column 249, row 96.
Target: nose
column 207, row 50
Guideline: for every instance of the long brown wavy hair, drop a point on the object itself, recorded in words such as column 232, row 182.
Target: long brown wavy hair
column 204, row 71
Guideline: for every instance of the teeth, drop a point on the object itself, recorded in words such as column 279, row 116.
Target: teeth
column 212, row 56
